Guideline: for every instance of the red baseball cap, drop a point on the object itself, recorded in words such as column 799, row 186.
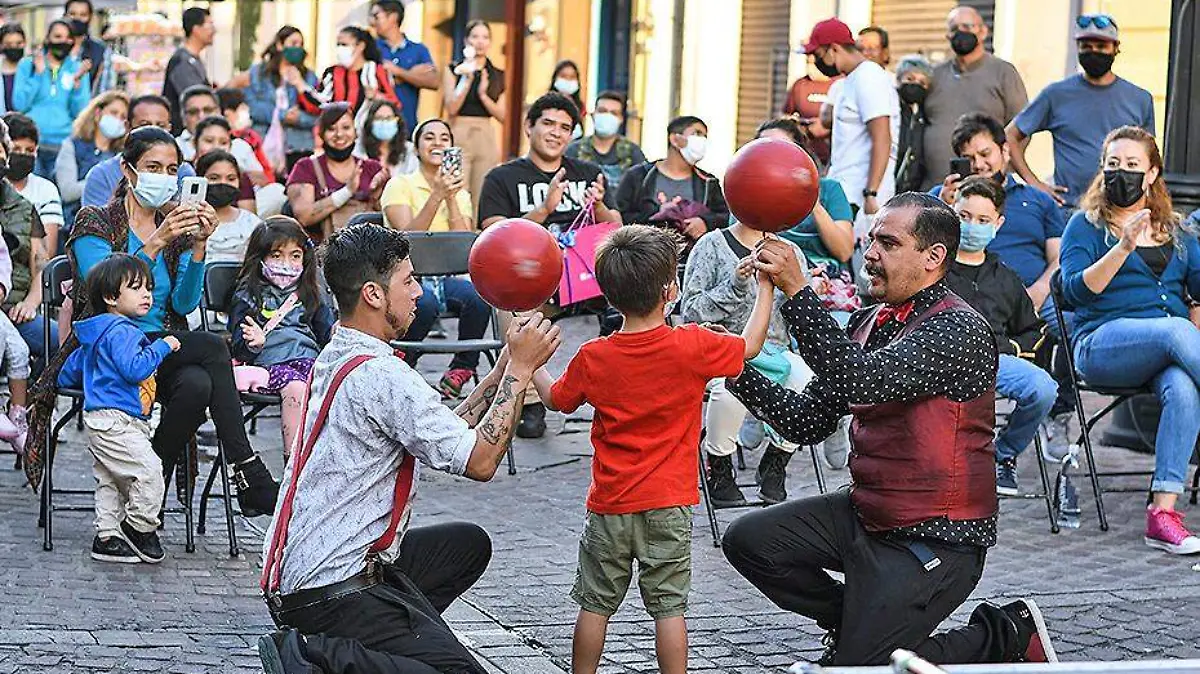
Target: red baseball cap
column 828, row 32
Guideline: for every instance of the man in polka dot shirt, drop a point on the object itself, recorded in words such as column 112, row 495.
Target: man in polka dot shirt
column 917, row 371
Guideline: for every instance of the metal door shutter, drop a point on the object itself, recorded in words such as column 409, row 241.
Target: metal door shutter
column 914, row 26
column 762, row 73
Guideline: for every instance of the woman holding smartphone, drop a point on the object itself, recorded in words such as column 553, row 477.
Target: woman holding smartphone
column 433, row 199
column 473, row 90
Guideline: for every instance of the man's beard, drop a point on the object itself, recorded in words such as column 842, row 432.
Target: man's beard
column 395, row 323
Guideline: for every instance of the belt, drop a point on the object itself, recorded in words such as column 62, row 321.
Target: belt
column 283, row 603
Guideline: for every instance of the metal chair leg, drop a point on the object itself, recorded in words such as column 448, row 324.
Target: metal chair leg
column 708, row 506
column 741, row 457
column 512, row 462
column 188, row 496
column 1086, row 440
column 226, row 496
column 812, row 449
column 48, row 494
column 206, row 494
column 253, row 426
column 1046, row 494
column 1195, row 485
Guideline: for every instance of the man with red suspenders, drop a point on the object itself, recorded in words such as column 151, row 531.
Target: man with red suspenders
column 351, row 586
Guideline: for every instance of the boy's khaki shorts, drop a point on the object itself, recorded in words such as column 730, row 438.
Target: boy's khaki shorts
column 661, row 542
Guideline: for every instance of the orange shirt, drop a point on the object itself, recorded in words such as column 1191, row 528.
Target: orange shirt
column 648, row 391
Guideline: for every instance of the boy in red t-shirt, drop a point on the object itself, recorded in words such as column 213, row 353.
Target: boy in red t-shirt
column 647, row 384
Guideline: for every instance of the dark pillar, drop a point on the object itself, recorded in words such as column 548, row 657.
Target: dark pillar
column 514, row 16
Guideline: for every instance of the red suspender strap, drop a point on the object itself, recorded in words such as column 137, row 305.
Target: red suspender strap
column 273, row 563
column 404, row 482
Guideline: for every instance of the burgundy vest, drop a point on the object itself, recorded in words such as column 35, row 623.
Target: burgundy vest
column 932, row 457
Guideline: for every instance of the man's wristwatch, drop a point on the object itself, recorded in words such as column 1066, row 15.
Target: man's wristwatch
column 867, row 194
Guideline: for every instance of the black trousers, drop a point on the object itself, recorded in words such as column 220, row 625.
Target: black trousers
column 396, row 627
column 888, row 600
column 196, row 378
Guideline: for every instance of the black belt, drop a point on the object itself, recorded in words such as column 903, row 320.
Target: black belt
column 282, row 603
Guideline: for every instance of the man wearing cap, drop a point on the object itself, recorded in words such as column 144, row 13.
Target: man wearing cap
column 973, row 81
column 867, row 120
column 1079, row 111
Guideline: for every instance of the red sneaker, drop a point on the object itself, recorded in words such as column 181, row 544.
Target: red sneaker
column 452, row 382
column 1031, row 631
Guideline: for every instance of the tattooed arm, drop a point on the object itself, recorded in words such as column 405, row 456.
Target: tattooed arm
column 530, row 345
column 473, row 408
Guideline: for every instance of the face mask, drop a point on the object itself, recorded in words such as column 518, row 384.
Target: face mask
column 974, row 237
column 577, row 132
column 963, row 43
column 606, row 124
column 20, row 165
column 1095, row 64
column 154, row 189
column 14, row 54
column 826, row 69
column 344, row 55
column 281, row 275
column 59, row 50
column 294, row 55
column 112, row 127
column 79, row 27
column 221, row 195
column 385, row 129
column 911, row 92
column 339, row 154
column 1123, row 188
column 694, row 151
column 568, row 87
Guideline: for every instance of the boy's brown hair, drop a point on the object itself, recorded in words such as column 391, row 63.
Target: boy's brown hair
column 634, row 267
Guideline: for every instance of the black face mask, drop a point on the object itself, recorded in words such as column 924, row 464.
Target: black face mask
column 221, row 195
column 1123, row 188
column 3, row 170
column 20, row 165
column 824, row 68
column 59, row 50
column 963, row 43
column 1095, row 64
column 339, row 154
column 79, row 27
column 911, row 92
column 14, row 54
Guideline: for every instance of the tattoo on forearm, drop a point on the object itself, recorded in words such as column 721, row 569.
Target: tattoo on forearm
column 498, row 428
column 473, row 408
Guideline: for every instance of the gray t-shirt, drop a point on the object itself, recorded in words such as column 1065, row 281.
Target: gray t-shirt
column 990, row 86
column 343, row 501
column 1078, row 115
column 674, row 188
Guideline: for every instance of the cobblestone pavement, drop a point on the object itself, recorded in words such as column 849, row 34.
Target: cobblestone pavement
column 1105, row 595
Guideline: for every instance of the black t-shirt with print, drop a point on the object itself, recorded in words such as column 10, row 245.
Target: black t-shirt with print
column 517, row 187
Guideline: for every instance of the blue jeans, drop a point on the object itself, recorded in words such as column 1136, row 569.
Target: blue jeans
column 32, row 333
column 459, row 297
column 1066, row 394
column 1161, row 352
column 1033, row 390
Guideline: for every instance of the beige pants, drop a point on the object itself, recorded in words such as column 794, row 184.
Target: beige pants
column 129, row 475
column 481, row 151
column 725, row 413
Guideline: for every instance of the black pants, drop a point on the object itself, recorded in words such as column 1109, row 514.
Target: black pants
column 396, row 626
column 888, row 601
column 196, row 378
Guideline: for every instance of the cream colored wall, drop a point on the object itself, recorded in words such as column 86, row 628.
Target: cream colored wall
column 710, row 77
column 651, row 73
column 804, row 15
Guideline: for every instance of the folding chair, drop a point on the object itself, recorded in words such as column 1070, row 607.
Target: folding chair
column 1119, row 395
column 372, row 218
column 1046, row 495
column 440, row 254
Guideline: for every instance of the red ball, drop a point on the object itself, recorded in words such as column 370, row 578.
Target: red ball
column 771, row 185
column 515, row 265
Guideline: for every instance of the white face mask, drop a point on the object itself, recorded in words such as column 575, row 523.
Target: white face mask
column 568, row 87
column 344, row 55
column 243, row 120
column 694, row 151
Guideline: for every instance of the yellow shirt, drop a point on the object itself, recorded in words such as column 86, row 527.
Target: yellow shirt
column 413, row 191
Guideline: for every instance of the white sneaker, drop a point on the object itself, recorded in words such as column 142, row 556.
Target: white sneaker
column 1056, row 437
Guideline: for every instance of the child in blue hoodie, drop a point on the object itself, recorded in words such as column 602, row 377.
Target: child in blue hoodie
column 113, row 359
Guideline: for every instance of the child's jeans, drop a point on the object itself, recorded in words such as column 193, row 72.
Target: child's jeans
column 129, row 475
column 16, row 351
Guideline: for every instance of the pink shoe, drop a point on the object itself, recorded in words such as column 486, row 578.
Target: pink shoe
column 1165, row 531
column 18, row 416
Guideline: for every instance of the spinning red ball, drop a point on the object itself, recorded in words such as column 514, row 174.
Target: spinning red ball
column 515, row 265
column 771, row 185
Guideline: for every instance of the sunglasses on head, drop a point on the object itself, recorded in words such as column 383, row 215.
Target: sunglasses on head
column 1101, row 21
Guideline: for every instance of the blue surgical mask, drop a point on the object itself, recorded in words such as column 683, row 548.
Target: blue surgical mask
column 385, row 129
column 112, row 127
column 606, row 124
column 153, row 190
column 975, row 236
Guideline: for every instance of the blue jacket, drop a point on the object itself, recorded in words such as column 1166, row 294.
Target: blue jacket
column 101, row 181
column 260, row 96
column 1135, row 292
column 46, row 99
column 113, row 358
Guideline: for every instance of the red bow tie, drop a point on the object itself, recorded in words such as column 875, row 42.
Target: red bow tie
column 900, row 312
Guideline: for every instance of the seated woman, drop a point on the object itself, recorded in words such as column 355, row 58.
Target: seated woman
column 214, row 134
column 718, row 289
column 141, row 220
column 385, row 139
column 325, row 191
column 432, row 200
column 1128, row 266
column 98, row 133
column 234, row 225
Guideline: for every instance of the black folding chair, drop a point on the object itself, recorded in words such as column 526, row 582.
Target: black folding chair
column 1046, row 495
column 1118, row 396
column 372, row 218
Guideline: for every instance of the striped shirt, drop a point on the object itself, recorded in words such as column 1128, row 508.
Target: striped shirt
column 44, row 196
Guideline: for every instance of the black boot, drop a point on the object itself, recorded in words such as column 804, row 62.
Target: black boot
column 722, row 488
column 830, row 642
column 282, row 652
column 533, row 421
column 256, row 489
column 772, row 475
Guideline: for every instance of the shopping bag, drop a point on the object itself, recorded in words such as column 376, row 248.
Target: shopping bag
column 579, row 242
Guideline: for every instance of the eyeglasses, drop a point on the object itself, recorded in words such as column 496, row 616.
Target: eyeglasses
column 1101, row 21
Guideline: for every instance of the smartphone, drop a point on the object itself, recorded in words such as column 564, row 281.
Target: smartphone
column 194, row 191
column 452, row 160
column 961, row 166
